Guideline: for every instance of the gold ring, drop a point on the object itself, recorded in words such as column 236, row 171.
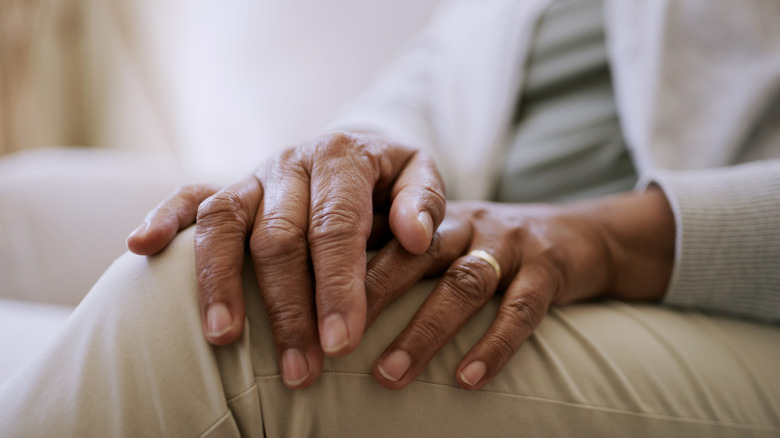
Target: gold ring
column 484, row 255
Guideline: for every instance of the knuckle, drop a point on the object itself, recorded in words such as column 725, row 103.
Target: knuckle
column 425, row 334
column 277, row 236
column 186, row 192
column 378, row 284
column 466, row 285
column 289, row 320
column 336, row 144
column 217, row 273
column 288, row 158
column 189, row 197
column 335, row 295
column 336, row 137
column 502, row 347
column 222, row 207
column 332, row 225
column 341, row 158
column 518, row 233
column 480, row 212
column 433, row 196
column 338, row 148
column 195, row 193
column 526, row 310
column 385, row 278
column 289, row 155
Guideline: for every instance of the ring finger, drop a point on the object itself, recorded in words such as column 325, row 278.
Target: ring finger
column 464, row 289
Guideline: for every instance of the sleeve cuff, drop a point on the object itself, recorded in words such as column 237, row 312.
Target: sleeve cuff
column 727, row 256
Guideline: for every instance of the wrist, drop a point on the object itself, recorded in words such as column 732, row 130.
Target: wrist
column 639, row 234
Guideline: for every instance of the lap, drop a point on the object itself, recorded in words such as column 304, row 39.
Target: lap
column 595, row 369
column 133, row 361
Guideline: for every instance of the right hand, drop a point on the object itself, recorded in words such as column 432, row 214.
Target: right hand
column 311, row 206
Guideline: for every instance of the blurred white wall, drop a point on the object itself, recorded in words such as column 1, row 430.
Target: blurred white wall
column 226, row 83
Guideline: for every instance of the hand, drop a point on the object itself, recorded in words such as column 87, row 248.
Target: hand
column 311, row 206
column 547, row 255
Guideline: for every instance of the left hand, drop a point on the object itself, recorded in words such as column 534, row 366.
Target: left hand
column 547, row 255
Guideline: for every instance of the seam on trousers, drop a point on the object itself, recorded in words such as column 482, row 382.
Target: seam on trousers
column 243, row 393
column 239, row 414
column 229, row 414
column 769, row 428
column 216, row 424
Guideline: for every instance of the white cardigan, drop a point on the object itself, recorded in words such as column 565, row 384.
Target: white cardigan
column 697, row 84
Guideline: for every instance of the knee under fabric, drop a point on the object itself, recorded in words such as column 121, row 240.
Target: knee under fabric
column 132, row 361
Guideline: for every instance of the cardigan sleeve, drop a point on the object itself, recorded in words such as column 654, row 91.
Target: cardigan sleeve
column 727, row 256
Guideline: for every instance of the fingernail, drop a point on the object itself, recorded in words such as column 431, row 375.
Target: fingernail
column 295, row 368
column 395, row 365
column 427, row 222
column 140, row 230
column 218, row 320
column 334, row 334
column 473, row 373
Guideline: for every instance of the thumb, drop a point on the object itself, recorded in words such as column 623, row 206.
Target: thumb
column 418, row 204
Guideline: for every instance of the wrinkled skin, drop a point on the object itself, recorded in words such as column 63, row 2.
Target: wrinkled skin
column 311, row 208
column 549, row 255
column 309, row 214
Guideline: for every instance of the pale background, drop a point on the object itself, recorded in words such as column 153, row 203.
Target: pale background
column 107, row 105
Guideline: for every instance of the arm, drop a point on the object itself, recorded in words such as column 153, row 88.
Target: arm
column 708, row 239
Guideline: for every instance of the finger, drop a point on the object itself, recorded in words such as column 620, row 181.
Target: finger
column 394, row 270
column 340, row 223
column 279, row 246
column 522, row 309
column 223, row 222
column 462, row 291
column 347, row 173
column 176, row 212
column 418, row 204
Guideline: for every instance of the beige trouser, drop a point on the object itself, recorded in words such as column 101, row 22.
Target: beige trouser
column 132, row 362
